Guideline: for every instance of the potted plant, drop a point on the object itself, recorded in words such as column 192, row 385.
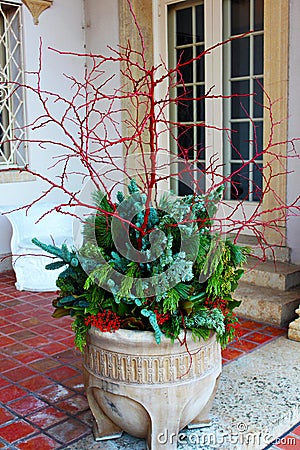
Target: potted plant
column 152, row 307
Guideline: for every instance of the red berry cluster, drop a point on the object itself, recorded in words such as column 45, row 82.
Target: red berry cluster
column 161, row 318
column 106, row 321
column 219, row 303
column 232, row 325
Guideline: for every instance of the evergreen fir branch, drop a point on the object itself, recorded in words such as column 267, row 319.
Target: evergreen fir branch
column 98, row 276
column 80, row 330
column 183, row 290
column 200, row 333
column 66, row 255
column 131, row 274
column 52, row 249
column 101, row 201
column 55, row 265
column 94, row 295
column 238, row 253
column 171, row 300
column 213, row 258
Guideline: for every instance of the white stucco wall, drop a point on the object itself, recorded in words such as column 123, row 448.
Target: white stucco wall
column 61, row 27
column 102, row 25
column 102, row 35
column 293, row 179
column 69, row 25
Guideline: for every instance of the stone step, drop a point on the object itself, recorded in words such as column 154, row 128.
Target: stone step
column 267, row 305
column 274, row 253
column 270, row 274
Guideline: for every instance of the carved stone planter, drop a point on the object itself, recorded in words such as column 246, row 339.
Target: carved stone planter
column 150, row 391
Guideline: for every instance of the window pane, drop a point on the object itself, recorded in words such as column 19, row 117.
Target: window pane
column 240, row 182
column 239, row 102
column 257, row 182
column 240, row 57
column 240, row 16
column 186, row 72
column 184, row 26
column 200, row 178
column 201, row 143
column 184, row 107
column 185, row 142
column 200, row 64
column 240, row 140
column 258, row 55
column 258, row 138
column 258, row 110
column 200, row 23
column 200, row 104
column 258, row 15
column 186, row 180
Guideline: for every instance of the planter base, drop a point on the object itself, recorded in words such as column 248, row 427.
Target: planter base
column 150, row 396
column 107, row 430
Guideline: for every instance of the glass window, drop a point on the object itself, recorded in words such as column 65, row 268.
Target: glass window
column 186, row 41
column 243, row 68
column 12, row 150
column 243, row 81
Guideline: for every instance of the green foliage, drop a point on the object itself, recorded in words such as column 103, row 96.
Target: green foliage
column 171, row 301
column 195, row 284
column 97, row 227
column 80, row 330
column 131, row 273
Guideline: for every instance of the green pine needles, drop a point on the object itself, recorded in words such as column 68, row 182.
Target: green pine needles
column 150, row 268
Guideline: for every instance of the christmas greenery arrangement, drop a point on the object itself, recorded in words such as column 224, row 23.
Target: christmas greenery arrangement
column 150, row 267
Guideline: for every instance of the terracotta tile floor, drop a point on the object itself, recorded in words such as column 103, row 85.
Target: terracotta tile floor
column 42, row 403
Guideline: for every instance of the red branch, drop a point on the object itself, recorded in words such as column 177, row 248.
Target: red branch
column 89, row 130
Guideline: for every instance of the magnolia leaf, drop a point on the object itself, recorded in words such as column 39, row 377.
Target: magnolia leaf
column 201, row 296
column 65, row 301
column 60, row 312
column 234, row 304
column 132, row 322
column 187, row 307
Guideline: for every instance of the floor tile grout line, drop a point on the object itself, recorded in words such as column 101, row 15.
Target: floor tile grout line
column 260, row 345
column 40, row 430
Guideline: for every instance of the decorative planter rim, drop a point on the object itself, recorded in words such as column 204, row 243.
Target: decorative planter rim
column 128, row 341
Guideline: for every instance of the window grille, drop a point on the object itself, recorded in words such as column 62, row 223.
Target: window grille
column 243, row 70
column 242, row 65
column 186, row 41
column 12, row 110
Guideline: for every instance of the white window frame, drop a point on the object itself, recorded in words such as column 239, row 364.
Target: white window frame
column 213, row 35
column 14, row 100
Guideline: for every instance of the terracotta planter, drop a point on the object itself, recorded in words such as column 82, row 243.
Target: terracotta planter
column 150, row 391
